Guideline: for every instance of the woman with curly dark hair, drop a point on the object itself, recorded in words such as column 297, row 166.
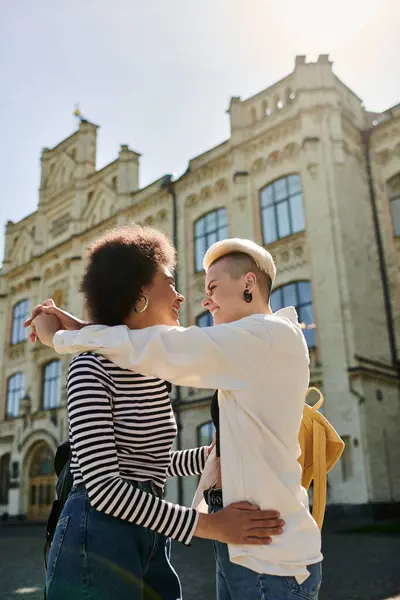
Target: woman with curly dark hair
column 112, row 538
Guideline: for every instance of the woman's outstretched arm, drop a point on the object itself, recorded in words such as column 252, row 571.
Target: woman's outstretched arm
column 227, row 356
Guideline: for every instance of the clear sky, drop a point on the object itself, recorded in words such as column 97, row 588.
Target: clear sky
column 158, row 74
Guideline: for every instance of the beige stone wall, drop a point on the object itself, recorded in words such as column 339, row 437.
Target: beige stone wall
column 307, row 124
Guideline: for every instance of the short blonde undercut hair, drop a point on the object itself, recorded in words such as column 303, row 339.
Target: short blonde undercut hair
column 260, row 255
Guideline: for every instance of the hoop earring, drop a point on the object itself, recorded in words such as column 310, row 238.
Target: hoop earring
column 248, row 296
column 146, row 303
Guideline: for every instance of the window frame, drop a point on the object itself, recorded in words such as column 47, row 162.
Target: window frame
column 278, row 202
column 50, row 381
column 300, row 305
column 14, row 391
column 19, row 335
column 205, row 235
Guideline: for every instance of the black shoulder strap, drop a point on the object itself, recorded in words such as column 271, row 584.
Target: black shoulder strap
column 63, row 455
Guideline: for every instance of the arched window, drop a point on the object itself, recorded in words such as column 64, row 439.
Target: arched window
column 297, row 294
column 282, row 211
column 394, row 198
column 15, row 392
column 204, row 320
column 42, row 462
column 266, row 110
column 205, row 433
column 19, row 315
column 41, row 482
column 51, row 384
column 208, row 229
column 4, row 478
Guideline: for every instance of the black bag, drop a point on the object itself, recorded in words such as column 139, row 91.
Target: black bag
column 62, row 463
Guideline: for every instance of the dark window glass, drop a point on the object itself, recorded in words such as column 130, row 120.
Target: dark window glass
column 208, row 229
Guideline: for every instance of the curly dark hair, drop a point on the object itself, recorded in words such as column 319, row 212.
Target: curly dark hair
column 120, row 264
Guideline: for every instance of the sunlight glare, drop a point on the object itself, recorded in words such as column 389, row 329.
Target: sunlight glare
column 327, row 22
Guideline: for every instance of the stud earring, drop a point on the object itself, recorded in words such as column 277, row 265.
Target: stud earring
column 248, row 296
column 146, row 303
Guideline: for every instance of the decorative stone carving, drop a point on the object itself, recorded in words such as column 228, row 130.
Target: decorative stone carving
column 205, row 193
column 284, row 256
column 241, row 201
column 394, row 184
column 204, row 173
column 59, row 292
column 291, row 150
column 191, row 200
column 162, row 215
column 386, row 133
column 60, row 225
column 258, row 165
column 57, row 269
column 17, row 351
column 25, row 406
column 273, row 158
column 22, row 286
column 273, row 135
column 221, row 185
column 312, row 169
column 383, row 157
column 346, row 147
column 290, row 254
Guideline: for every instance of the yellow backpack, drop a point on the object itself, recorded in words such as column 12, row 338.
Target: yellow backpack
column 321, row 448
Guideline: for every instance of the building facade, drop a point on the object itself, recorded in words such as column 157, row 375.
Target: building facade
column 306, row 171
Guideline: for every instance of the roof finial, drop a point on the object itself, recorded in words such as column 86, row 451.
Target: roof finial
column 77, row 113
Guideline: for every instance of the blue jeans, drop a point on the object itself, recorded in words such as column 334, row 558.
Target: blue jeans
column 94, row 556
column 235, row 582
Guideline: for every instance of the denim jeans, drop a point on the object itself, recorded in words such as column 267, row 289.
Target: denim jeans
column 94, row 556
column 235, row 582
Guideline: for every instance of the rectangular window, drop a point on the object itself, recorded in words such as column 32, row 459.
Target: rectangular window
column 208, row 229
column 15, row 392
column 20, row 313
column 282, row 212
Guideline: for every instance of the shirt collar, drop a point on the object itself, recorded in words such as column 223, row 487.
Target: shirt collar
column 288, row 312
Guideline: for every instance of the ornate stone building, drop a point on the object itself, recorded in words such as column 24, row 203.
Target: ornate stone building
column 308, row 172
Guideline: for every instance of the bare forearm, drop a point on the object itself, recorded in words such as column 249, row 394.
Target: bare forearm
column 205, row 527
column 240, row 523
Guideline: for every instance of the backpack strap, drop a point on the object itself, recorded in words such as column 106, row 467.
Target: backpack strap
column 320, row 402
column 319, row 462
column 319, row 473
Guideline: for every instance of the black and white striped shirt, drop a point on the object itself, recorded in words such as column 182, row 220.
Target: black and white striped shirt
column 121, row 428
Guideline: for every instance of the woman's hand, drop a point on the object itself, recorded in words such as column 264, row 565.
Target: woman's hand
column 48, row 307
column 240, row 523
column 44, row 328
